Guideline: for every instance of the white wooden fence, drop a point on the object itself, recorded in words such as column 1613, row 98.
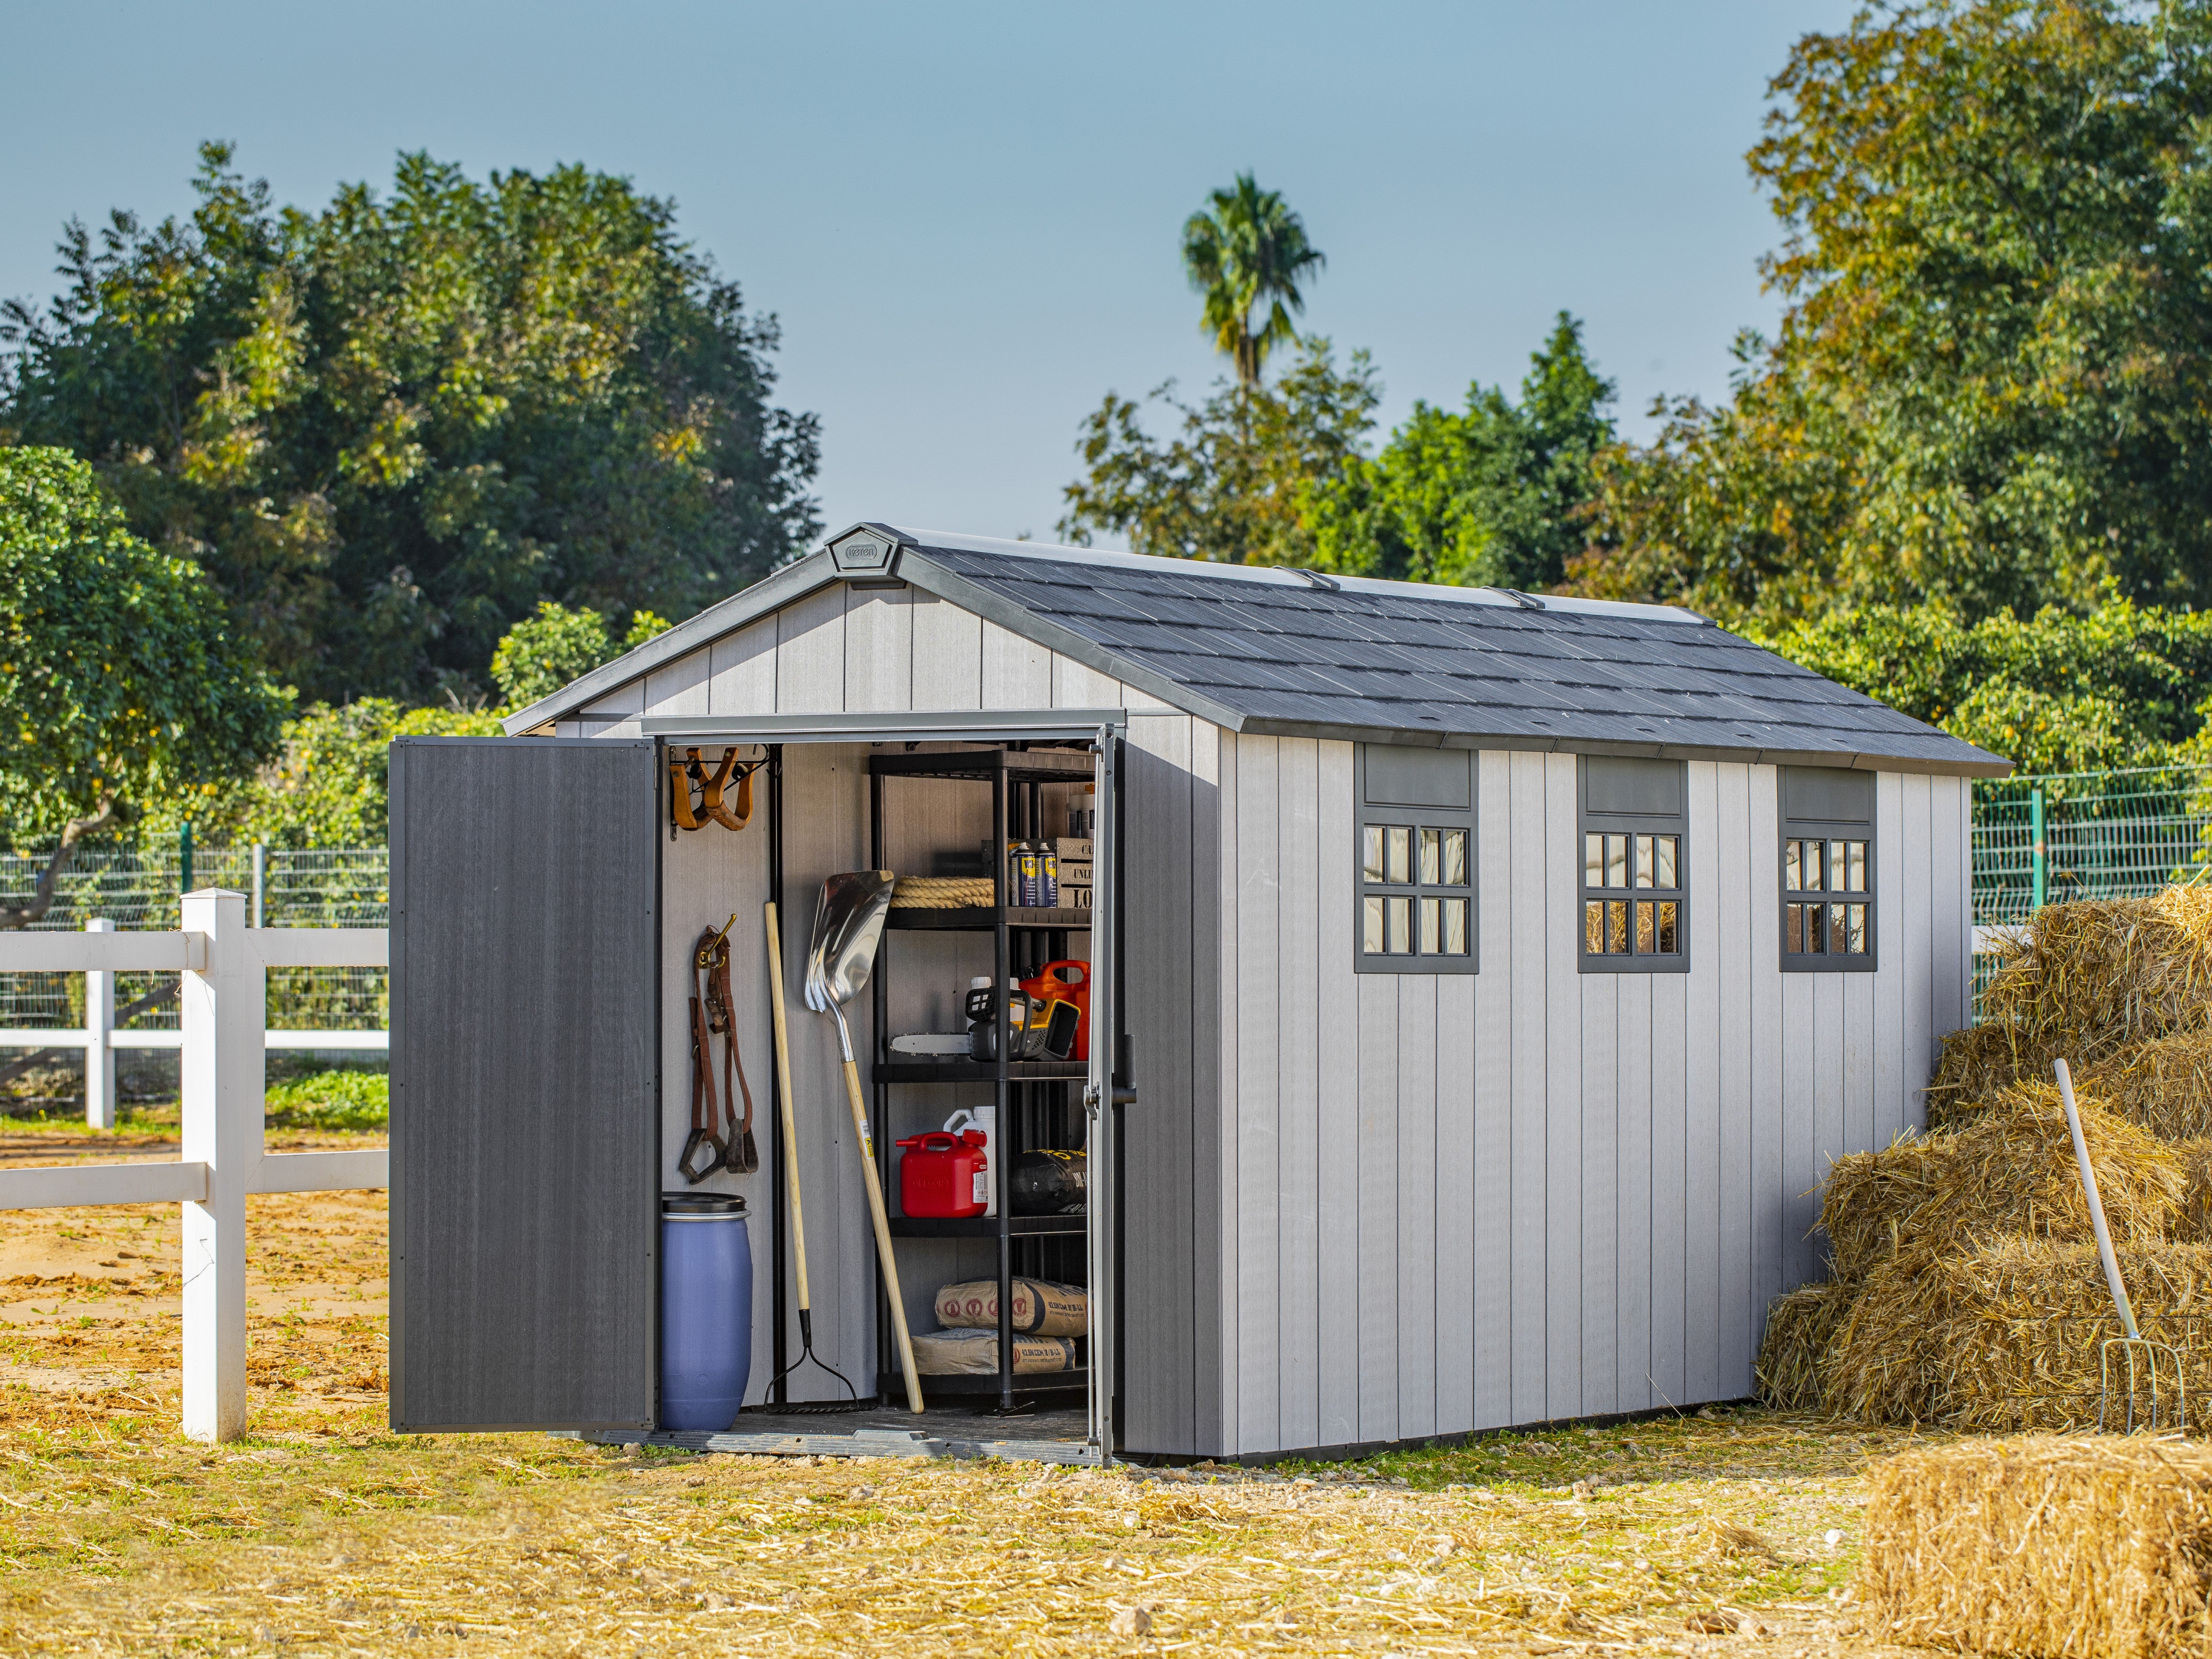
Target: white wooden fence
column 223, row 965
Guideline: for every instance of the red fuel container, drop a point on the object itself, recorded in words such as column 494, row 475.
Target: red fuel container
column 945, row 1174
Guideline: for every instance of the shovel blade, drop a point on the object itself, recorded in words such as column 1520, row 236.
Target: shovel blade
column 847, row 923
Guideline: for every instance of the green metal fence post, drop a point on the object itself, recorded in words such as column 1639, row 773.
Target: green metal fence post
column 2040, row 866
column 184, row 858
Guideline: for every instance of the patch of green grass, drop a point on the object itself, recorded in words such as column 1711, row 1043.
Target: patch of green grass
column 330, row 1100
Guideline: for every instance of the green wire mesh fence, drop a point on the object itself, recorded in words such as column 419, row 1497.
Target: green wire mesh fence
column 338, row 887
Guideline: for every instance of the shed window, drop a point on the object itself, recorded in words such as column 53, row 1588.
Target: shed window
column 1415, row 859
column 1633, row 848
column 1827, row 870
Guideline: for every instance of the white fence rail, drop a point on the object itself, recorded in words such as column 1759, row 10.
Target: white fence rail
column 101, row 954
column 223, row 966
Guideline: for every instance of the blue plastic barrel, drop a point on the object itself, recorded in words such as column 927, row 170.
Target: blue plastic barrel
column 706, row 1310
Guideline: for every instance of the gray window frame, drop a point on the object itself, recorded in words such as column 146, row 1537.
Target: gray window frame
column 1417, row 818
column 1677, row 824
column 1825, row 828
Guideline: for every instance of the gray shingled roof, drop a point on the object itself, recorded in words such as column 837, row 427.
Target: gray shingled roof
column 1268, row 652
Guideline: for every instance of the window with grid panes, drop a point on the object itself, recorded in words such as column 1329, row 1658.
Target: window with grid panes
column 1415, row 854
column 1827, row 870
column 1633, row 847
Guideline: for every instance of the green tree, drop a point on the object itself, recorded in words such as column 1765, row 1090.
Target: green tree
column 1230, row 483
column 1247, row 253
column 1491, row 497
column 542, row 654
column 2122, row 686
column 1993, row 383
column 326, row 785
column 389, row 429
column 122, row 686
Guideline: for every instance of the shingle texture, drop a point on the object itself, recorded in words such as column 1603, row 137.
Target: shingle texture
column 1284, row 655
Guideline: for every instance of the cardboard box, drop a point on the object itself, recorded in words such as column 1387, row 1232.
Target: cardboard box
column 1073, row 849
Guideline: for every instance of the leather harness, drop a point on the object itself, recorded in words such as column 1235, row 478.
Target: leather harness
column 713, row 1012
column 689, row 769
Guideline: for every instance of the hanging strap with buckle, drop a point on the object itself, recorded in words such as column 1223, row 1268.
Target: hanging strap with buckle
column 713, row 1012
column 687, row 771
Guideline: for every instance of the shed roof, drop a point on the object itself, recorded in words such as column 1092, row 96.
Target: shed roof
column 1265, row 650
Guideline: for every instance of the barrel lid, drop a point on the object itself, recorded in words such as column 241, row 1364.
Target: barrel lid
column 701, row 1203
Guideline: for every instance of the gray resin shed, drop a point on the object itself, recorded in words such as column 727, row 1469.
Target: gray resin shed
column 1498, row 975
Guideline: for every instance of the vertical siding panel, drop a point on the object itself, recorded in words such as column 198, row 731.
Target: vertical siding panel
column 1016, row 672
column 1916, row 888
column 1159, row 1309
column 1417, row 1207
column 680, row 688
column 1770, row 1220
column 1224, row 1172
column 1494, row 1066
column 1338, row 1111
column 1456, row 1196
column 948, row 655
column 1608, row 1162
column 1259, row 1173
column 1859, row 1110
column 1213, row 957
column 1378, row 1206
column 879, row 649
column 1526, row 1120
column 741, row 671
column 1801, row 1082
column 1669, row 1188
column 1075, row 686
column 1830, row 1133
column 1894, row 1105
column 810, row 656
column 1633, row 1269
column 1304, row 867
column 1563, row 1030
column 1704, row 1346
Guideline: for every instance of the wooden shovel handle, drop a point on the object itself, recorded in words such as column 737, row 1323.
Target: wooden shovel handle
column 783, row 1102
column 884, row 1238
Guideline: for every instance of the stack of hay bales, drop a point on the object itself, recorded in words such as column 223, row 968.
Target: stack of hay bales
column 1966, row 1288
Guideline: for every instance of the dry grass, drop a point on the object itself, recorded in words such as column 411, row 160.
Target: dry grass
column 2164, row 1085
column 2009, row 1171
column 2007, row 1337
column 2091, row 977
column 323, row 1534
column 1800, row 1325
column 2099, row 1548
column 1977, row 1062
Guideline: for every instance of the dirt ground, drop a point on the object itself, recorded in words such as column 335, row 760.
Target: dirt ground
column 1729, row 1532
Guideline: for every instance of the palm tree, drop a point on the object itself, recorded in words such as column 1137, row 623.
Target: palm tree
column 1244, row 255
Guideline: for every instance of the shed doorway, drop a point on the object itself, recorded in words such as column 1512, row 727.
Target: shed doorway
column 833, row 794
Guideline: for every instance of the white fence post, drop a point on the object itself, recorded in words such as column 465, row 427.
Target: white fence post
column 98, row 1032
column 223, row 1011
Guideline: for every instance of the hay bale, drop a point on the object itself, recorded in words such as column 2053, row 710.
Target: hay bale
column 2094, row 976
column 2096, row 1548
column 2195, row 1222
column 1976, row 1063
column 2008, row 1336
column 2009, row 1171
column 2165, row 1086
column 1799, row 1324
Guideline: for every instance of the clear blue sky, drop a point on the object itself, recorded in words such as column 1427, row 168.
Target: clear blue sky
column 966, row 216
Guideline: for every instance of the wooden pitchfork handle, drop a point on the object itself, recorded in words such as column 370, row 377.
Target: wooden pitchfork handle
column 790, row 1130
column 884, row 1237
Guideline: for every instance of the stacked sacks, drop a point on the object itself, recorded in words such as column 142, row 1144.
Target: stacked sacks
column 1966, row 1288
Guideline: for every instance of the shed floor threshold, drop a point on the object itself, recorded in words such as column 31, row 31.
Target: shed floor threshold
column 1040, row 1437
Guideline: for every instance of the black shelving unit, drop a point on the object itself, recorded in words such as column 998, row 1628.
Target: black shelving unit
column 1039, row 1103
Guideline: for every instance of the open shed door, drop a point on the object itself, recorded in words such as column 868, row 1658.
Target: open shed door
column 524, row 1082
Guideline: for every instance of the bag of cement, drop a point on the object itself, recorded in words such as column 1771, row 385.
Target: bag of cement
column 1040, row 1307
column 976, row 1353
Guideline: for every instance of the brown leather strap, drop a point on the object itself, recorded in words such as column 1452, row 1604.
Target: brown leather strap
column 740, row 1154
column 710, row 798
column 680, row 788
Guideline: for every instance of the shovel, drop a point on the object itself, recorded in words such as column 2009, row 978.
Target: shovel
column 847, row 924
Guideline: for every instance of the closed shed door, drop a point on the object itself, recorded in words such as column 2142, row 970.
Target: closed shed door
column 524, row 1082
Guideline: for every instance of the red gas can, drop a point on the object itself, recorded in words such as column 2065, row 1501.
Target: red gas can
column 944, row 1174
